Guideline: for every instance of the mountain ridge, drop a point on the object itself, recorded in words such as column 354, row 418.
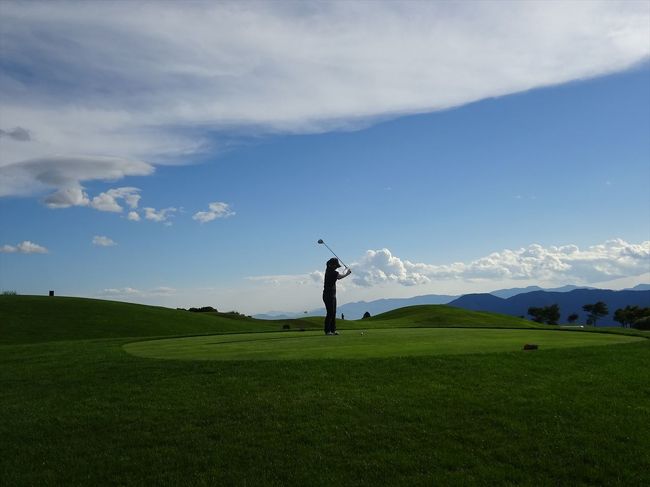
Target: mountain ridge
column 355, row 310
column 569, row 302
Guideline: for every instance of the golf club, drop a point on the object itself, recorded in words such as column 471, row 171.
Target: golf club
column 320, row 241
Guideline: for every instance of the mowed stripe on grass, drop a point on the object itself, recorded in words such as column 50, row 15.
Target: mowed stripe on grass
column 373, row 343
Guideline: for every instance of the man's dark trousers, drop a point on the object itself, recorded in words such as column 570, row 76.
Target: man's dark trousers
column 330, row 318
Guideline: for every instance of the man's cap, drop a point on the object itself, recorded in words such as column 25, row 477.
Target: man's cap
column 333, row 262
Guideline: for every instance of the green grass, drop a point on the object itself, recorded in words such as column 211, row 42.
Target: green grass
column 375, row 343
column 85, row 412
column 31, row 319
column 439, row 315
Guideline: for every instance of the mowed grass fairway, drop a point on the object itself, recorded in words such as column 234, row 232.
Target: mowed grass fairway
column 375, row 343
column 78, row 409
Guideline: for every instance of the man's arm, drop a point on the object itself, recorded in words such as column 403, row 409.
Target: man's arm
column 341, row 276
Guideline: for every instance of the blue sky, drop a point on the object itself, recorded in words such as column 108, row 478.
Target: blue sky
column 438, row 182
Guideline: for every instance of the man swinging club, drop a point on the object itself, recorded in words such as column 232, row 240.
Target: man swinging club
column 329, row 294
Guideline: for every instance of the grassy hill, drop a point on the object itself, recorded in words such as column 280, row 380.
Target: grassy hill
column 441, row 315
column 34, row 319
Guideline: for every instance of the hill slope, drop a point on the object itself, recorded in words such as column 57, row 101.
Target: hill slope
column 33, row 319
column 441, row 315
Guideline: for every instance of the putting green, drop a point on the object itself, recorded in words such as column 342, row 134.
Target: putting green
column 371, row 344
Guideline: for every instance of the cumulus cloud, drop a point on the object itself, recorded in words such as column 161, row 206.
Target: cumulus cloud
column 67, row 197
column 215, row 210
column 156, row 81
column 25, row 247
column 103, row 241
column 159, row 215
column 133, row 216
column 108, row 201
column 611, row 260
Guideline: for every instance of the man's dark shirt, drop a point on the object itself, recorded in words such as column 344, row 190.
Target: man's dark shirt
column 331, row 275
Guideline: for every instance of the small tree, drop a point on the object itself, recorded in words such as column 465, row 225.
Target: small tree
column 547, row 314
column 630, row 314
column 537, row 314
column 573, row 317
column 596, row 311
column 552, row 314
column 366, row 315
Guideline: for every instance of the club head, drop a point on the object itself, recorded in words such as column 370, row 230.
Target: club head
column 320, row 241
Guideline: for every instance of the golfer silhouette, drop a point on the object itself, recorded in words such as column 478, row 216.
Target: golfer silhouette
column 329, row 294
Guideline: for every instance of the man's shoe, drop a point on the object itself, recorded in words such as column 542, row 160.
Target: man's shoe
column 335, row 333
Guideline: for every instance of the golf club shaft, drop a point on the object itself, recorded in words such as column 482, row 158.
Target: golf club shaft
column 335, row 255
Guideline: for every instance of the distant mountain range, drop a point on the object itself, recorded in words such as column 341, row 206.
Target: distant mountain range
column 569, row 302
column 515, row 301
column 508, row 293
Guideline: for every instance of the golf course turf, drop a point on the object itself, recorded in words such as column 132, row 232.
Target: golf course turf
column 78, row 409
column 376, row 343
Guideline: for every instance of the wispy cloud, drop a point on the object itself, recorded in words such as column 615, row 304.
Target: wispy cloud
column 162, row 81
column 215, row 210
column 125, row 292
column 17, row 133
column 25, row 247
column 103, row 241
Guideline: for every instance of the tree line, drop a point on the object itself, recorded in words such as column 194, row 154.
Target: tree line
column 630, row 316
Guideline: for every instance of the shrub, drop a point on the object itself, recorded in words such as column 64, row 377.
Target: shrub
column 642, row 324
column 286, row 327
column 9, row 293
column 366, row 315
column 204, row 309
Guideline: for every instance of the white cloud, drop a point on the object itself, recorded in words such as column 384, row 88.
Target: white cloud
column 133, row 216
column 611, row 260
column 103, row 241
column 108, row 201
column 25, row 247
column 125, row 291
column 163, row 291
column 130, row 292
column 216, row 210
column 294, row 279
column 66, row 175
column 156, row 81
column 614, row 259
column 67, row 197
column 379, row 266
column 159, row 215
